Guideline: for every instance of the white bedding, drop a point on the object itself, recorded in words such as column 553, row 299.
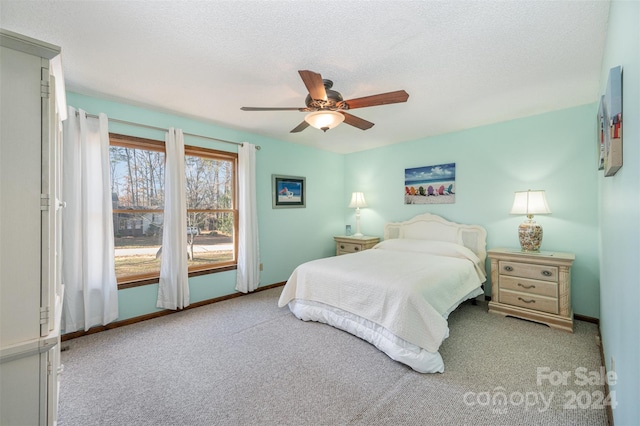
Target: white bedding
column 397, row 296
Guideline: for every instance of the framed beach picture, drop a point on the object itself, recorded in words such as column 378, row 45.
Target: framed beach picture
column 430, row 184
column 613, row 122
column 287, row 191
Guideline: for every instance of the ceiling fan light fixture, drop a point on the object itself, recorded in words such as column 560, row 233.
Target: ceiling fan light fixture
column 324, row 120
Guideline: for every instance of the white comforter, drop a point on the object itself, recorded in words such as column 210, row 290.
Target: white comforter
column 399, row 286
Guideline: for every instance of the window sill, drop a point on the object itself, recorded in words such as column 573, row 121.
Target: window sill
column 154, row 280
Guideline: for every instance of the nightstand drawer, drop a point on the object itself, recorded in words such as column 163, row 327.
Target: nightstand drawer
column 346, row 244
column 349, row 247
column 530, row 301
column 528, row 270
column 529, row 286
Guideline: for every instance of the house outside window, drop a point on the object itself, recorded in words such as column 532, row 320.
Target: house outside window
column 137, row 188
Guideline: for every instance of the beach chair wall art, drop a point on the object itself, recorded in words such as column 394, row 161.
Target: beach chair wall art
column 430, row 184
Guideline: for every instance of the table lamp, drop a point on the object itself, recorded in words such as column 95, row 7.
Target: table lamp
column 357, row 201
column 530, row 203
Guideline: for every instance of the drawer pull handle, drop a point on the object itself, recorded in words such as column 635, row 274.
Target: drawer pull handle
column 356, row 248
column 342, row 246
column 526, row 286
column 526, row 301
column 547, row 273
column 508, row 268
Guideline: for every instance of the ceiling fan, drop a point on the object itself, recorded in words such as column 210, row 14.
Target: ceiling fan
column 327, row 108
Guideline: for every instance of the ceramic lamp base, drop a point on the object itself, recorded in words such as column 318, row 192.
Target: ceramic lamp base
column 530, row 234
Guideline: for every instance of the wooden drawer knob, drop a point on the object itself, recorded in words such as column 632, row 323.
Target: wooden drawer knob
column 547, row 273
column 508, row 268
column 356, row 248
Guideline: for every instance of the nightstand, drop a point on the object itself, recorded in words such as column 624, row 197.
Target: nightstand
column 532, row 286
column 346, row 245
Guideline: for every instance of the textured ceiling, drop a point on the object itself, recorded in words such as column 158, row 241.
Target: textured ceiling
column 463, row 63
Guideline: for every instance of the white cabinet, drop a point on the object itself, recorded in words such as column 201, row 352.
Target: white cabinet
column 30, row 285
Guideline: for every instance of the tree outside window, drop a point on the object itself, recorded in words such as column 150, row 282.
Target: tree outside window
column 137, row 188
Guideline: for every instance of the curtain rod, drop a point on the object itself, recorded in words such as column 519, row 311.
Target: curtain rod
column 164, row 130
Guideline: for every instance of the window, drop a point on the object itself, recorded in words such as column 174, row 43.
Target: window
column 211, row 217
column 137, row 191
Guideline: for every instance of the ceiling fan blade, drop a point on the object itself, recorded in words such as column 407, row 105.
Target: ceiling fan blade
column 315, row 85
column 300, row 127
column 381, row 99
column 358, row 122
column 272, row 109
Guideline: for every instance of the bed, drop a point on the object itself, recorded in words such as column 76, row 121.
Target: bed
column 397, row 295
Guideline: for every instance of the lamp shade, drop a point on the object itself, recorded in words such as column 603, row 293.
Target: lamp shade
column 530, row 203
column 357, row 200
column 324, row 120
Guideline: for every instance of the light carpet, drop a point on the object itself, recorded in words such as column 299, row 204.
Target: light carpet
column 245, row 361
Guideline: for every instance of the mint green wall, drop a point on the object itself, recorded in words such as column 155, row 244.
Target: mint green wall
column 287, row 237
column 554, row 151
column 620, row 220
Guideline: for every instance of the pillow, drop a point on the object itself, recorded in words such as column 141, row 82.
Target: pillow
column 441, row 248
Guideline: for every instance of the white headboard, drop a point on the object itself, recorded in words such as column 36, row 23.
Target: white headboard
column 429, row 226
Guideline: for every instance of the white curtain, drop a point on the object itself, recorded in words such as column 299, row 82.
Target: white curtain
column 248, row 272
column 88, row 269
column 173, row 291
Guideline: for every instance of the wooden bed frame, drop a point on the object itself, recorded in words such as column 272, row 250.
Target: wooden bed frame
column 429, row 226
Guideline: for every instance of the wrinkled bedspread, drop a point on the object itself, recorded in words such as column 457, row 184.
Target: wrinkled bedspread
column 409, row 294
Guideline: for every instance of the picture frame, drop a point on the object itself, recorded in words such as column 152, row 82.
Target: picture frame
column 430, row 184
column 601, row 130
column 613, row 122
column 288, row 191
